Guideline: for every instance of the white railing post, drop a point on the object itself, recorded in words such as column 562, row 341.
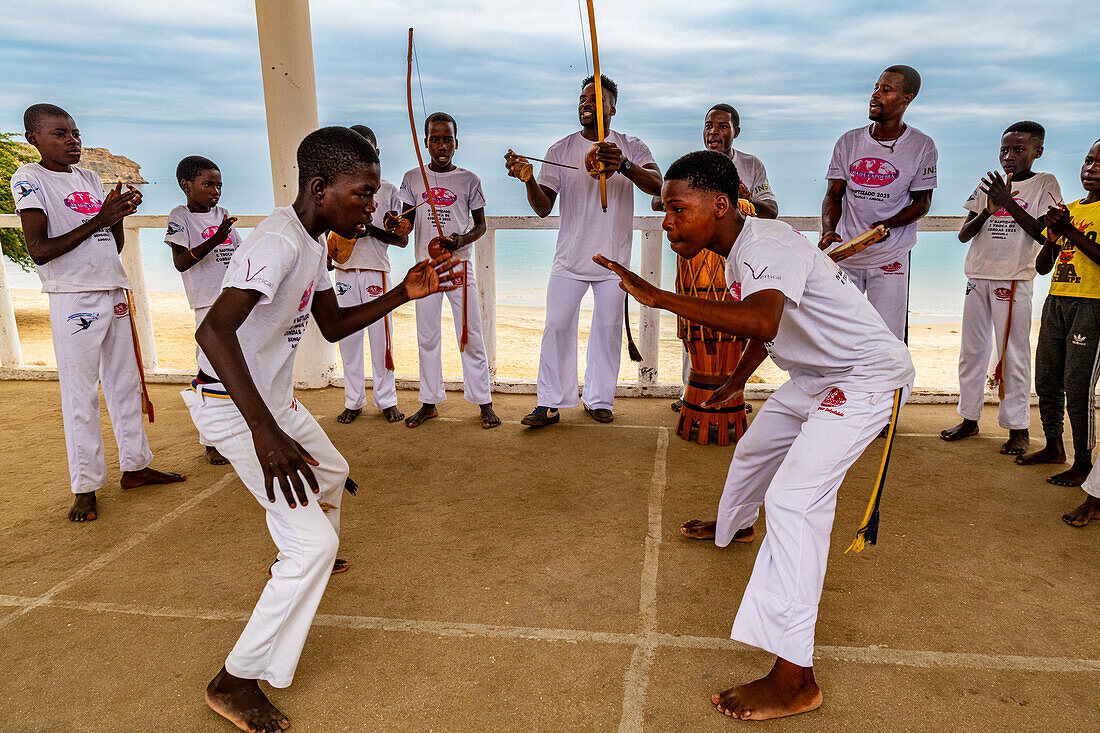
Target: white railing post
column 650, row 329
column 143, row 318
column 485, row 253
column 11, row 353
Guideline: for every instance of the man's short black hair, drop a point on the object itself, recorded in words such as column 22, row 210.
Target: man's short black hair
column 728, row 108
column 37, row 112
column 707, row 170
column 910, row 78
column 190, row 167
column 605, row 81
column 331, row 151
column 440, row 117
column 367, row 133
column 1028, row 128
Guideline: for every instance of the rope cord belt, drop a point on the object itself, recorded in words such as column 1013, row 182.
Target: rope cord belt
column 867, row 534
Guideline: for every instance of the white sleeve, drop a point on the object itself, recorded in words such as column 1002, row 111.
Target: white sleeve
column 177, row 230
column 763, row 189
column 639, row 152
column 550, row 175
column 323, row 280
column 838, row 166
column 925, row 180
column 26, row 191
column 263, row 268
column 476, row 197
column 405, row 195
column 767, row 266
column 976, row 203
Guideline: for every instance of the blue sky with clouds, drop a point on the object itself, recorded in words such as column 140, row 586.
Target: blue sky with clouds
column 158, row 80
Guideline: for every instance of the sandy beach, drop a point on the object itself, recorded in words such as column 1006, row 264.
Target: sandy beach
column 935, row 347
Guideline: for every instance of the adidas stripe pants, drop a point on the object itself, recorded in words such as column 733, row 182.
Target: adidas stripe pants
column 1066, row 369
column 792, row 459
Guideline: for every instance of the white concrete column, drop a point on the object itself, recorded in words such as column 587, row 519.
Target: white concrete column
column 290, row 98
column 485, row 255
column 134, row 265
column 11, row 353
column 650, row 329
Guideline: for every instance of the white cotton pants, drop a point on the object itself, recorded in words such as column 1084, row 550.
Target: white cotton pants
column 887, row 288
column 307, row 536
column 557, row 382
column 792, row 459
column 429, row 337
column 354, row 287
column 94, row 346
column 985, row 314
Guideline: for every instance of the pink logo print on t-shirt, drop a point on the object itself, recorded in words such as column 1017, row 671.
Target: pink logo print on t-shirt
column 735, row 290
column 441, row 196
column 211, row 231
column 873, row 172
column 83, row 202
column 305, row 297
column 834, row 399
column 1002, row 213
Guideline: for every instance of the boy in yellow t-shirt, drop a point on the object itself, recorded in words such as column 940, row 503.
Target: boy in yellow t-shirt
column 1066, row 354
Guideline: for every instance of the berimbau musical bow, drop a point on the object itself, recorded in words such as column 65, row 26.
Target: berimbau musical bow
column 436, row 247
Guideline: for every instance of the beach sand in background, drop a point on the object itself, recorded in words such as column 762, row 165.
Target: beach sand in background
column 935, row 347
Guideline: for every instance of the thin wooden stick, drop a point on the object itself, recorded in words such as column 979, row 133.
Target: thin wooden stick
column 540, row 160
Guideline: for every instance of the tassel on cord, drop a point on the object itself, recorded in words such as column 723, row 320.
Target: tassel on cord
column 386, row 324
column 465, row 333
column 998, row 379
column 631, row 349
column 867, row 534
column 350, row 486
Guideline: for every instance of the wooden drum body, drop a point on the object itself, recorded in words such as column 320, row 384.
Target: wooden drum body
column 713, row 355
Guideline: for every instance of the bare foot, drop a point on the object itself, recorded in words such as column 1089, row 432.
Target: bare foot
column 676, row 405
column 426, row 412
column 244, row 704
column 1075, row 476
column 787, row 690
column 965, row 429
column 83, row 508
column 1080, row 516
column 1017, row 443
column 146, row 476
column 697, row 529
column 489, row 418
column 214, row 458
column 348, row 415
column 392, row 414
column 1053, row 452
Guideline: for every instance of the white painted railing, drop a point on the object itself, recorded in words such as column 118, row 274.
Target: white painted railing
column 11, row 357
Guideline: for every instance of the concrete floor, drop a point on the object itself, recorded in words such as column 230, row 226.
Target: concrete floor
column 517, row 580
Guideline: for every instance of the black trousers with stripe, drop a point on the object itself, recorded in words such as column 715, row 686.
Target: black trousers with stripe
column 1066, row 369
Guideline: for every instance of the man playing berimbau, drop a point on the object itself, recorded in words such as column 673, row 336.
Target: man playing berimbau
column 846, row 372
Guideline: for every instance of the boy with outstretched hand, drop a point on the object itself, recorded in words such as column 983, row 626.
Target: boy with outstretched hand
column 74, row 235
column 1069, row 332
column 242, row 402
column 1000, row 269
column 203, row 240
column 847, row 371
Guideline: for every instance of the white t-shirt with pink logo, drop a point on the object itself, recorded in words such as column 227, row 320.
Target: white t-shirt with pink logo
column 753, row 175
column 370, row 253
column 69, row 200
column 585, row 229
column 878, row 183
column 286, row 266
column 455, row 194
column 203, row 280
column 1002, row 250
column 829, row 335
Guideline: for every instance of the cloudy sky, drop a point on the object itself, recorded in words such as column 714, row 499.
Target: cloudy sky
column 156, row 80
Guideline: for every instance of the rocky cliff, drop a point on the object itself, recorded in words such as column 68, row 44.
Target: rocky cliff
column 112, row 169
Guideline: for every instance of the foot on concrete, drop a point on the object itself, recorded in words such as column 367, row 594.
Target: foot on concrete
column 1081, row 516
column 146, row 476
column 340, row 565
column 965, row 429
column 348, row 415
column 392, row 414
column 426, row 412
column 1017, row 443
column 541, row 416
column 599, row 414
column 677, row 405
column 1075, row 476
column 787, row 690
column 1048, row 454
column 214, row 458
column 244, row 704
column 83, row 508
column 489, row 418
